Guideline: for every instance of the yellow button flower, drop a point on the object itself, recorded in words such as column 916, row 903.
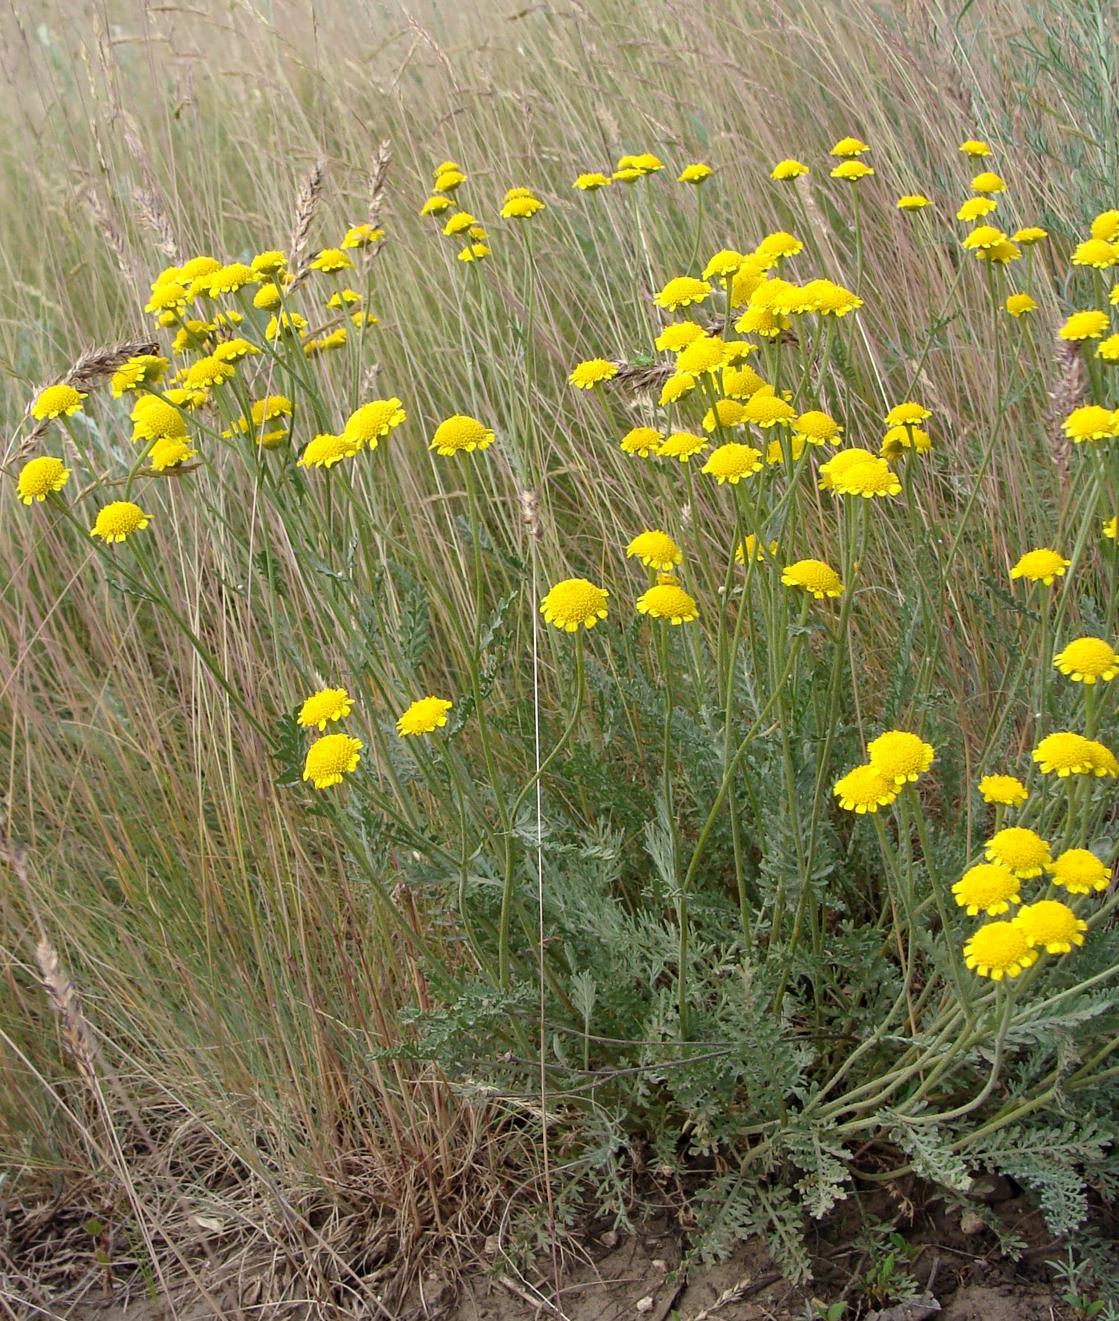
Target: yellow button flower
column 424, row 716
column 642, row 441
column 1091, row 422
column 586, row 375
column 899, row 755
column 975, row 147
column 682, row 292
column 1051, row 925
column 574, row 603
column 655, row 549
column 371, row 421
column 668, row 601
column 460, row 434
column 40, row 477
column 1020, row 304
column 327, row 449
column 592, row 180
column 695, row 173
column 987, row 182
column 681, row 445
column 998, row 950
column 1040, row 566
column 1079, row 871
column 1021, row 851
column 118, row 520
column 813, row 576
column 57, row 401
column 789, row 168
column 913, row 202
column 864, row 789
column 1087, row 660
column 1063, row 754
column 852, row 171
column 1084, row 325
column 987, row 888
column 1097, row 253
column 849, row 147
column 731, row 462
column 975, row 208
column 1003, row 790
column 330, row 758
column 324, row 706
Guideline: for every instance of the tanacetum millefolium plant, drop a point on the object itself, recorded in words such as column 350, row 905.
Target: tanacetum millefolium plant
column 635, row 680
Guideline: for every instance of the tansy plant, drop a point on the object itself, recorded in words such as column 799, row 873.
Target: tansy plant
column 697, row 715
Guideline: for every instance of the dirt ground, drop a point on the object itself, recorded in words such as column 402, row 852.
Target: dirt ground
column 613, row 1277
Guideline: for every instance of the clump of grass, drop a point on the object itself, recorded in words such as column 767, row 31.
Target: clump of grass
column 600, row 891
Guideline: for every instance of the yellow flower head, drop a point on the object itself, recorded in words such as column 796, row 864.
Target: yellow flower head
column 983, row 237
column 1064, row 753
column 155, row 419
column 864, row 789
column 1003, row 790
column 789, row 168
column 682, row 292
column 870, row 478
column 740, row 382
column 57, row 401
column 448, row 180
column 1050, row 925
column 1021, row 851
column 642, row 441
column 371, row 421
column 852, row 171
column 975, row 208
column 644, row 163
column 119, row 520
column 1104, row 761
column 1084, row 325
column 766, row 410
column 208, row 372
column 913, row 202
column 1108, row 349
column 228, row 279
column 705, row 354
column 746, row 279
column 751, row 549
column 900, row 756
column 1097, row 253
column 1020, row 304
column 831, row 299
column 776, row 246
column 987, row 888
column 573, row 604
column 327, row 449
column 1029, row 234
column 424, row 716
column 679, row 335
column 460, row 434
column 817, row 428
column 435, row 205
column 725, row 413
column 233, row 350
column 1110, row 528
column 271, row 263
column 169, row 453
column 831, row 472
column 591, row 181
column 681, row 445
column 791, row 446
column 324, row 706
column 726, row 263
column 362, row 236
column 668, row 600
column 144, row 369
column 1091, row 422
column 459, row 223
column 330, row 758
column 41, row 476
column 656, row 550
column 849, row 147
column 331, row 259
column 676, row 387
column 288, row 323
column 987, row 182
column 907, row 414
column 1040, row 566
column 975, row 147
column 586, row 375
column 1079, row 871
column 1087, row 660
column 898, row 439
column 999, row 254
column 998, row 950
column 1106, row 226
column 522, row 206
column 695, row 173
column 813, row 576
column 731, row 462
